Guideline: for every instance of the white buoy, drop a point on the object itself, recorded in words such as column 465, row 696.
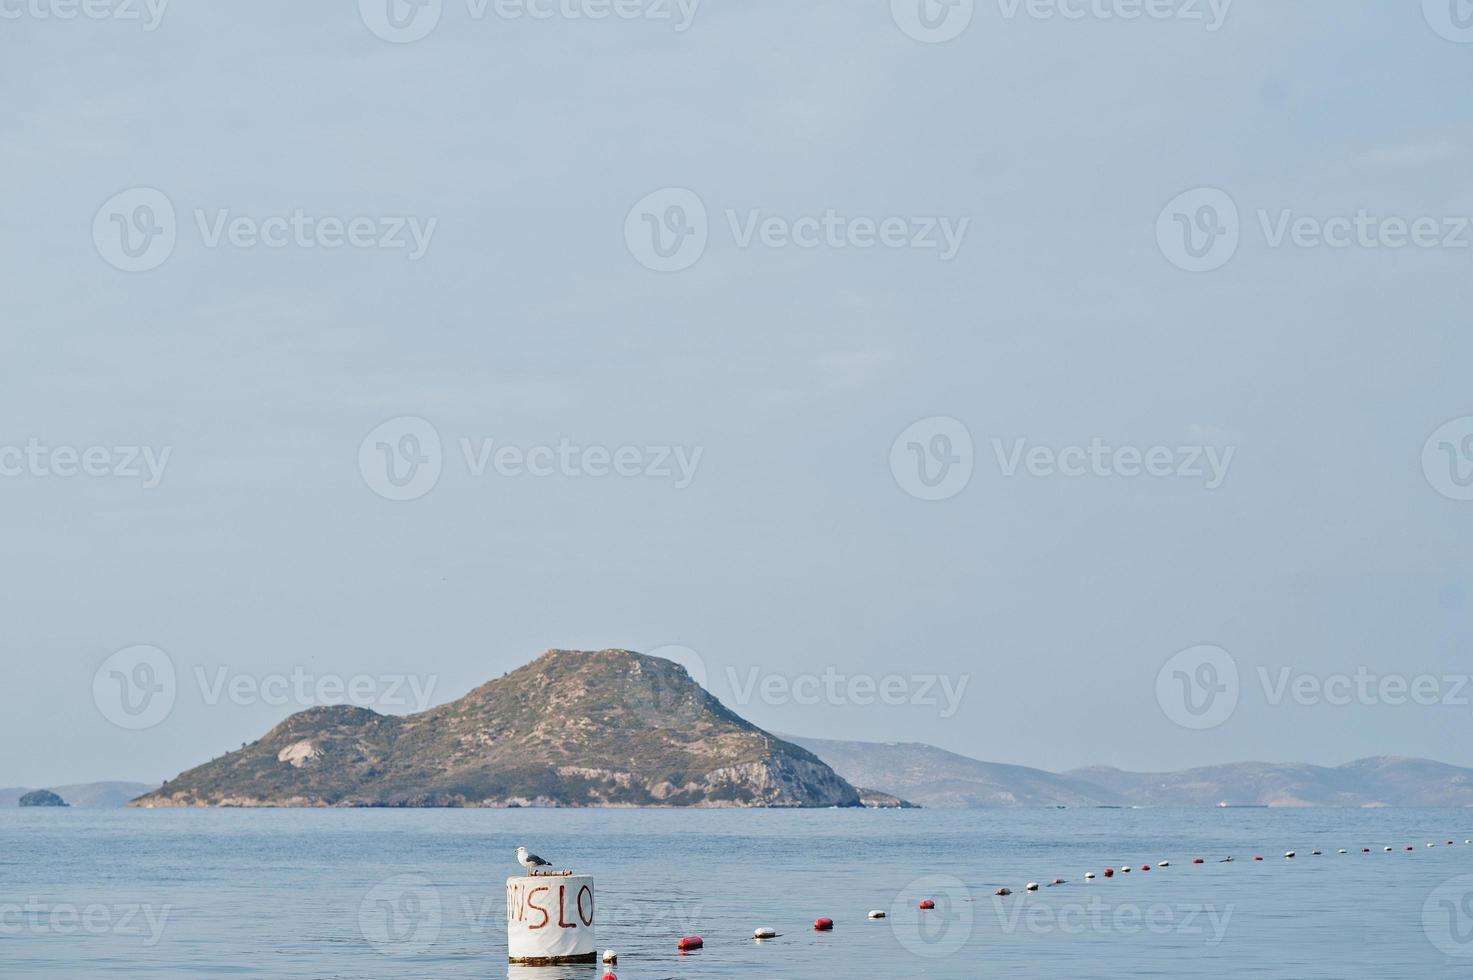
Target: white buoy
column 1033, row 886
column 1344, row 851
column 877, row 914
column 1164, row 864
column 611, row 957
column 1089, row 875
column 1288, row 854
column 764, row 933
column 549, row 919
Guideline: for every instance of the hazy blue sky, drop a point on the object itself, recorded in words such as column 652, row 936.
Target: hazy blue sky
column 521, row 149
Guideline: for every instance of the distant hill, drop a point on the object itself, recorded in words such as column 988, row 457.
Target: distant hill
column 83, row 795
column 42, row 798
column 1384, row 781
column 612, row 728
column 936, row 778
column 933, row 777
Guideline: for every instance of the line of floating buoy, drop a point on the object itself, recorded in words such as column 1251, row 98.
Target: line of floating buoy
column 689, row 944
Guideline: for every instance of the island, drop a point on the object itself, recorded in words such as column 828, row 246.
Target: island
column 42, row 797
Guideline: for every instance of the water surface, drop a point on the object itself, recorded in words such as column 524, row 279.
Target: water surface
column 389, row 894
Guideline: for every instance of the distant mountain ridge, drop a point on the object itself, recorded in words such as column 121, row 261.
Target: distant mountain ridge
column 1380, row 781
column 932, row 777
column 606, row 728
column 936, row 778
column 106, row 795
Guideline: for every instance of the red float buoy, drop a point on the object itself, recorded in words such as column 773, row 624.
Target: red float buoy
column 608, row 976
column 689, row 943
column 823, row 925
column 1256, row 858
column 1109, row 872
column 1145, row 867
column 1199, row 861
column 927, row 904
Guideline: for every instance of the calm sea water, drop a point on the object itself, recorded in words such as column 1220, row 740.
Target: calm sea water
column 305, row 893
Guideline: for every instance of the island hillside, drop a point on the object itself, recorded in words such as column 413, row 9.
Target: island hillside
column 610, row 728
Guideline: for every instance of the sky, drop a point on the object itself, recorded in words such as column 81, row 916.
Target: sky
column 1050, row 384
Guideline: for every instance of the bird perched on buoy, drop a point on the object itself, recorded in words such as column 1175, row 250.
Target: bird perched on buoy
column 531, row 861
column 610, row 957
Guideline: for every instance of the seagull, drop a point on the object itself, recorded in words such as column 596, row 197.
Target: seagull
column 531, row 861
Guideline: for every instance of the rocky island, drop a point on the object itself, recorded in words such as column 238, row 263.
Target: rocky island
column 609, row 728
column 42, row 797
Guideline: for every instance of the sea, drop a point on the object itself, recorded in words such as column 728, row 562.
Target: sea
column 376, row 894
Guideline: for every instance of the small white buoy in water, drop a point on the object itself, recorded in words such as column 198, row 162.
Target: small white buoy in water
column 1089, row 875
column 1164, row 864
column 1033, row 886
column 1388, row 850
column 1431, row 845
column 1288, row 854
column 877, row 914
column 764, row 933
column 1344, row 851
column 610, row 956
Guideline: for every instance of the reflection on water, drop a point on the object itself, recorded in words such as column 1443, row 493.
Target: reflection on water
column 583, row 971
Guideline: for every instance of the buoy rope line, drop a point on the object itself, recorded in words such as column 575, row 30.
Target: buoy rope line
column 824, row 924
